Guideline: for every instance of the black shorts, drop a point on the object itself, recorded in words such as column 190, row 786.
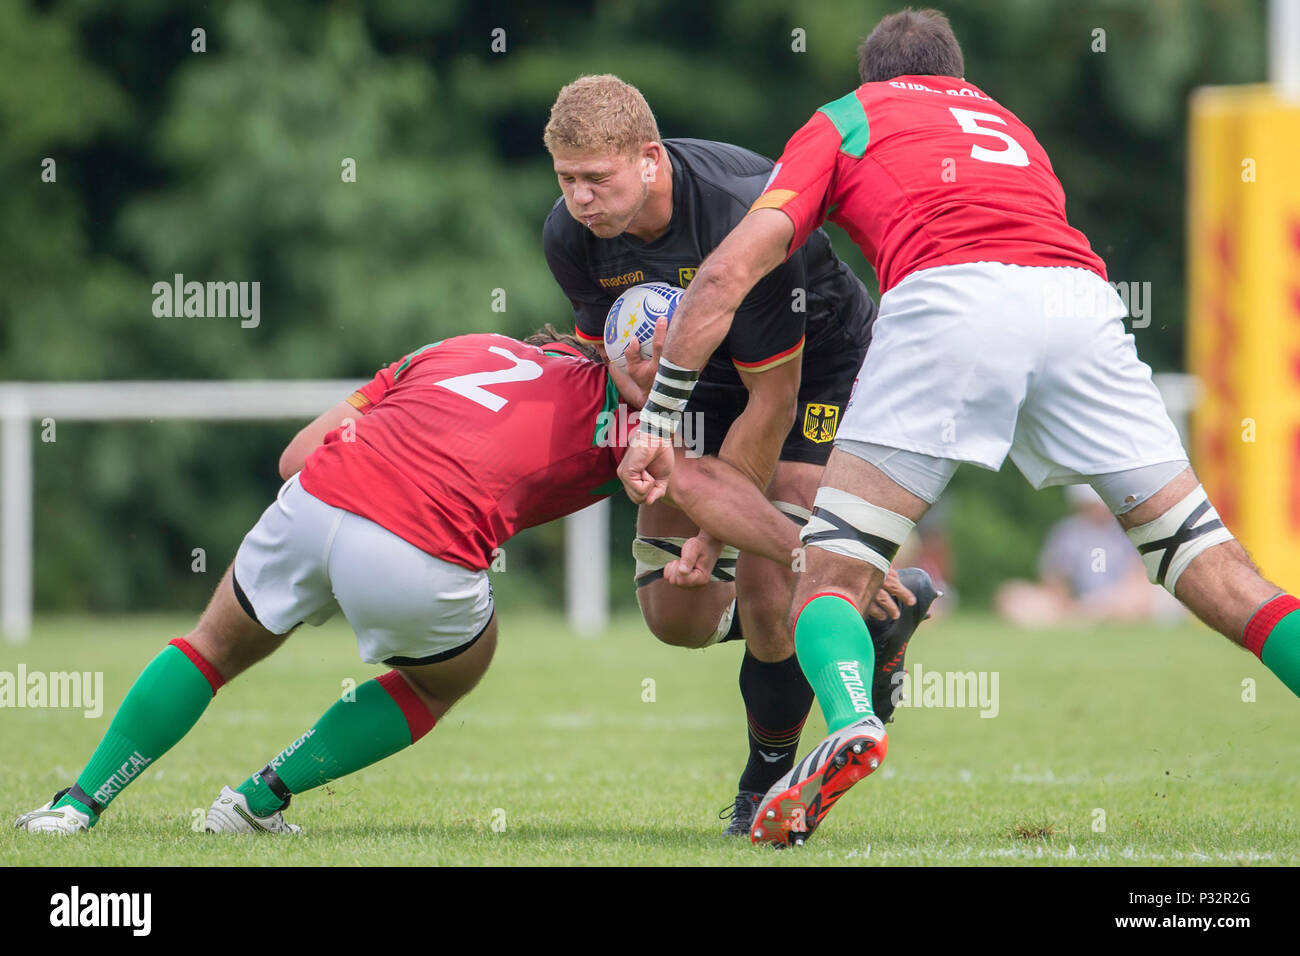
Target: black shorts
column 829, row 371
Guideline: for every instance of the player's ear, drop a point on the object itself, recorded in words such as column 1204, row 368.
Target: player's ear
column 651, row 156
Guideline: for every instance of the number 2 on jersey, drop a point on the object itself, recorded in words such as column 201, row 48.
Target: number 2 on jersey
column 471, row 386
column 969, row 121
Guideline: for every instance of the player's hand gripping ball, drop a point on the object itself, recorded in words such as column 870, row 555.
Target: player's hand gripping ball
column 633, row 315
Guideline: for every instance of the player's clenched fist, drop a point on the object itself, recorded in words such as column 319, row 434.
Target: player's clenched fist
column 646, row 467
column 694, row 569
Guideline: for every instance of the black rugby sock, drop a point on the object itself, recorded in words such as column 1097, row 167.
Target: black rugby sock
column 777, row 700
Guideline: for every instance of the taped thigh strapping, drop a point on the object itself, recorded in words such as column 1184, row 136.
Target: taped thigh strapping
column 796, row 513
column 846, row 524
column 652, row 554
column 1169, row 543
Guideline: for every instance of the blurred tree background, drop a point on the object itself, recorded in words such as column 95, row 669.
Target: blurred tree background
column 225, row 165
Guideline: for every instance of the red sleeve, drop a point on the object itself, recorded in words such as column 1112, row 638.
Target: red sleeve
column 802, row 178
column 369, row 395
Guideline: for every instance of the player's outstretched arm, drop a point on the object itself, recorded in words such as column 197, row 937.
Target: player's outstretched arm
column 730, row 509
column 753, row 443
column 724, row 495
column 729, row 506
column 754, row 248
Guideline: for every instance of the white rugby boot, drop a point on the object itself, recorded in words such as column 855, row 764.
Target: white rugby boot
column 46, row 819
column 229, row 813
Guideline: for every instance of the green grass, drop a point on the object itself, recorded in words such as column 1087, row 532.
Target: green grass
column 1146, row 724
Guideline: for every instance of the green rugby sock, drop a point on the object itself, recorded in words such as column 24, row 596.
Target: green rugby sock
column 837, row 656
column 162, row 705
column 1273, row 635
column 386, row 716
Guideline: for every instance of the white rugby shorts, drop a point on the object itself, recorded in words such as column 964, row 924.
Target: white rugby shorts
column 976, row 361
column 304, row 560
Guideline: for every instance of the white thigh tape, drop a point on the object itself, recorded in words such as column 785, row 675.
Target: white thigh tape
column 652, row 554
column 846, row 524
column 1169, row 543
column 796, row 513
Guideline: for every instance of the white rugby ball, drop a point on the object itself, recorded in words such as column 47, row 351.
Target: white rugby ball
column 633, row 315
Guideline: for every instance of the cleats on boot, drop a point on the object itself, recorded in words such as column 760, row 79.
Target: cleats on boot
column 799, row 801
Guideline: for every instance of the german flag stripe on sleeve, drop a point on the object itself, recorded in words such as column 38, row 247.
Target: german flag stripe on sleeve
column 773, row 361
column 584, row 337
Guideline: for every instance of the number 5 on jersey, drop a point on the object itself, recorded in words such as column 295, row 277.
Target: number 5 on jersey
column 969, row 121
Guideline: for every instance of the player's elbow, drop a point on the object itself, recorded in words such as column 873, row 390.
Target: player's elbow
column 673, row 615
column 291, row 460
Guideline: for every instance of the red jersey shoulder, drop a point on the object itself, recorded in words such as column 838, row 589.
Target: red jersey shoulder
column 485, row 368
column 925, row 171
column 491, row 358
column 929, row 114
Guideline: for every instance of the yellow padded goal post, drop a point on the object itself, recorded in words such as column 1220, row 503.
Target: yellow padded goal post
column 1244, row 315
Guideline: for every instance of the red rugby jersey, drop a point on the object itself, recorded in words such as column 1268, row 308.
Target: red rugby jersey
column 466, row 441
column 926, row 171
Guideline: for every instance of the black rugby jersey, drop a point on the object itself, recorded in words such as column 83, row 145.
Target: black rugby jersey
column 714, row 185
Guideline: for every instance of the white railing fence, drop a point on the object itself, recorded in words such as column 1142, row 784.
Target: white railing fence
column 23, row 404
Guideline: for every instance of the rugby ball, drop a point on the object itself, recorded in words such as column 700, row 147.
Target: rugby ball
column 633, row 315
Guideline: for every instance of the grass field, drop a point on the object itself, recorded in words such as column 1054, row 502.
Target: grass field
column 557, row 759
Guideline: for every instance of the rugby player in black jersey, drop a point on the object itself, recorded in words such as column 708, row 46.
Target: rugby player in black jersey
column 639, row 209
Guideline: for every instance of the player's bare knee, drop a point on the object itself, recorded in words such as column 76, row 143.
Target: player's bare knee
column 679, row 637
column 227, row 636
column 766, row 641
column 673, row 622
column 440, row 685
column 682, row 618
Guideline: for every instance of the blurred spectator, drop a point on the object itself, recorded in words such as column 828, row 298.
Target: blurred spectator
column 1088, row 570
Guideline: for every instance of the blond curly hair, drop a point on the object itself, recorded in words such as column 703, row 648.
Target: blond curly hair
column 600, row 114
